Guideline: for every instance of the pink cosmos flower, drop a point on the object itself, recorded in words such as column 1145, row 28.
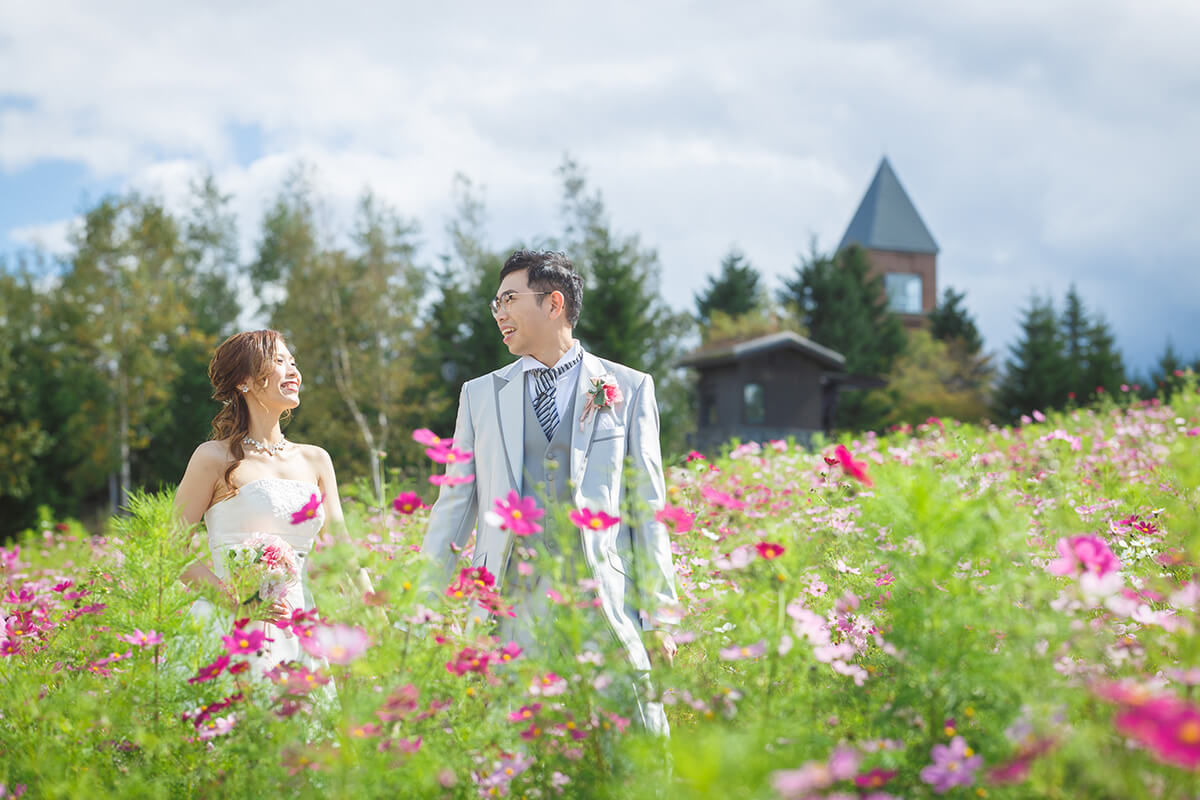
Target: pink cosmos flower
column 408, row 502
column 874, row 779
column 1089, row 552
column 739, row 652
column 469, row 660
column 216, row 726
column 142, row 639
column 769, row 550
column 679, row 520
column 448, row 455
column 953, row 765
column 243, row 641
column 794, row 784
column 207, row 673
column 590, row 520
column 301, row 680
column 400, row 704
column 721, row 499
column 525, row 713
column 510, row 651
column 517, row 514
column 548, row 685
column 340, row 644
column 450, row 480
column 308, row 510
column 430, row 439
column 855, row 469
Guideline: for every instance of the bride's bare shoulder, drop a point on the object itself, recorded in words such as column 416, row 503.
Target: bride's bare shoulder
column 212, row 453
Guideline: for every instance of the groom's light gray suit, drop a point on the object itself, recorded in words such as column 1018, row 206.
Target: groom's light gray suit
column 630, row 563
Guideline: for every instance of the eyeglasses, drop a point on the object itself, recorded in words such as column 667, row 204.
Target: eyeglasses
column 506, row 300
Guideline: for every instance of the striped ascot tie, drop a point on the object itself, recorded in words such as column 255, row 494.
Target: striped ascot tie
column 544, row 405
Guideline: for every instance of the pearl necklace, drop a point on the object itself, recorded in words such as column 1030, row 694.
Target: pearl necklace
column 269, row 449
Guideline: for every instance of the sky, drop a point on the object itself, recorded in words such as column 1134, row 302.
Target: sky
column 1043, row 143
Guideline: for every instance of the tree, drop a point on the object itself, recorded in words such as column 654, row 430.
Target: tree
column 935, row 378
column 1104, row 367
column 949, row 320
column 844, row 307
column 1074, row 323
column 735, row 291
column 121, row 310
column 24, row 356
column 351, row 314
column 1036, row 374
column 459, row 339
column 624, row 316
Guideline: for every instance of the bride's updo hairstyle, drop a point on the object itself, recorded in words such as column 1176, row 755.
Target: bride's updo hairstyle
column 243, row 359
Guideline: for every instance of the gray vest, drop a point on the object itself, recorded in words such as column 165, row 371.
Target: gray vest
column 547, row 469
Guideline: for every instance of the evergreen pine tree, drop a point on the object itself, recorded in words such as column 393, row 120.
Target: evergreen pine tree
column 1075, row 330
column 1104, row 368
column 735, row 291
column 845, row 308
column 950, row 320
column 1164, row 378
column 1036, row 374
column 624, row 315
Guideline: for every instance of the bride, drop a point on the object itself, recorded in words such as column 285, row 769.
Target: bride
column 248, row 480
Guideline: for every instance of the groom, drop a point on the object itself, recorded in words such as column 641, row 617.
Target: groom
column 532, row 430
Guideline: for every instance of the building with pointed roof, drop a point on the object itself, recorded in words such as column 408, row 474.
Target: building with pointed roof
column 899, row 245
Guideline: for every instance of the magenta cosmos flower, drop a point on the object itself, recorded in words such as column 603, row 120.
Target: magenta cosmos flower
column 308, row 510
column 1088, row 552
column 855, row 469
column 953, row 765
column 243, row 641
column 769, row 550
column 408, row 502
column 517, row 514
column 679, row 519
column 592, row 520
column 430, row 439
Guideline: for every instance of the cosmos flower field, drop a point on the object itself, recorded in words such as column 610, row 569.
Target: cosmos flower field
column 946, row 611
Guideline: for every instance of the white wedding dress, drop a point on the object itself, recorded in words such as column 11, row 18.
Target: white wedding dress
column 265, row 505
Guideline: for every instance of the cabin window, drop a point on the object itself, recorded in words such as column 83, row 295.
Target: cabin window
column 753, row 404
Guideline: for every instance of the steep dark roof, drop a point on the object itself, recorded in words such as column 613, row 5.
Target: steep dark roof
column 886, row 218
column 709, row 356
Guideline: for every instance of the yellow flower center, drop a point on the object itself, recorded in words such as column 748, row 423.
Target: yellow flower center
column 595, row 523
column 450, row 456
column 244, row 643
column 516, row 515
column 1189, row 732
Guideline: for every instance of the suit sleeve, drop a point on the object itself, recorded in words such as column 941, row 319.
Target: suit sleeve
column 646, row 489
column 453, row 515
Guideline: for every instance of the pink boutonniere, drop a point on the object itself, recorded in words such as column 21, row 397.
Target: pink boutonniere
column 603, row 395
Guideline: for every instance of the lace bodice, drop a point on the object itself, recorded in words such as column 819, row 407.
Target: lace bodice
column 266, row 505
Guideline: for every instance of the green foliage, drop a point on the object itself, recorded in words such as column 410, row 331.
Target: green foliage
column 624, row 317
column 950, row 320
column 1059, row 358
column 735, row 291
column 844, row 307
column 935, row 378
column 932, row 589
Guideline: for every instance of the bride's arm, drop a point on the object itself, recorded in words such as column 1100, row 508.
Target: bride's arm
column 335, row 520
column 192, row 499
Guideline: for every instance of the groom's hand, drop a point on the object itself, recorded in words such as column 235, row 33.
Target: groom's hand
column 660, row 645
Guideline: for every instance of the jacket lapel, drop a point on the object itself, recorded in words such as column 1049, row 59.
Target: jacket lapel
column 510, row 408
column 581, row 437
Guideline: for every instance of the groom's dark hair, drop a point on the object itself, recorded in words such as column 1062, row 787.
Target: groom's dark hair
column 550, row 270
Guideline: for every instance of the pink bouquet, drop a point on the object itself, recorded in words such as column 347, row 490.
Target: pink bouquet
column 262, row 568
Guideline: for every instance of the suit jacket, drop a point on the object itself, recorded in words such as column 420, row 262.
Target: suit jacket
column 630, row 563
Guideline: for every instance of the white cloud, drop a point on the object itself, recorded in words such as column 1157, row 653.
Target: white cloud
column 1042, row 142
